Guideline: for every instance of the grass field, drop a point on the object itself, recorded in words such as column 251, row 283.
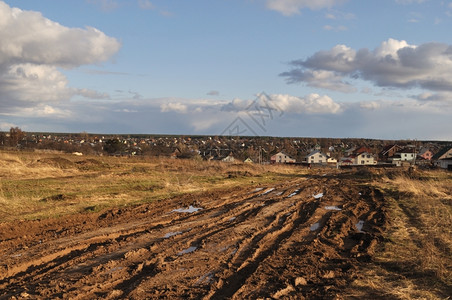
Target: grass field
column 42, row 185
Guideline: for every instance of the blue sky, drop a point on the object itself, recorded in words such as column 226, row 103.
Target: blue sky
column 326, row 68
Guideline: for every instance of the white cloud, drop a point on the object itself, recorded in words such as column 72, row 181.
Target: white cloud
column 32, row 50
column 283, row 103
column 310, row 104
column 174, row 106
column 393, row 64
column 293, row 7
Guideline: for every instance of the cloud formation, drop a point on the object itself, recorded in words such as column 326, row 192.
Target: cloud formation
column 174, row 106
column 33, row 49
column 393, row 64
column 294, row 7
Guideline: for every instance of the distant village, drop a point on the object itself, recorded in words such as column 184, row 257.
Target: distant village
column 309, row 152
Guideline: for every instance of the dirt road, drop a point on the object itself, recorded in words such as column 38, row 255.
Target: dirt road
column 306, row 237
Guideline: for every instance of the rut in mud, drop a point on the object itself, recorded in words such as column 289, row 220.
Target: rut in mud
column 304, row 237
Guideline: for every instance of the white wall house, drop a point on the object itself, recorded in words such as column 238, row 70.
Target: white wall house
column 281, row 158
column 316, row 157
column 445, row 163
column 364, row 158
column 407, row 155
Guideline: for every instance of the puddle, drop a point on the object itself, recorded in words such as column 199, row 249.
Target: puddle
column 268, row 191
column 231, row 219
column 314, row 227
column 319, row 195
column 114, row 270
column 359, row 225
column 332, row 207
column 188, row 250
column 257, row 189
column 207, row 278
column 279, row 193
column 190, row 209
column 294, row 193
column 170, row 234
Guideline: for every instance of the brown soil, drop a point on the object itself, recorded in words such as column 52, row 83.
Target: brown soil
column 243, row 244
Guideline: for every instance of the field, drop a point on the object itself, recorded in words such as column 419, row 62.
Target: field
column 140, row 228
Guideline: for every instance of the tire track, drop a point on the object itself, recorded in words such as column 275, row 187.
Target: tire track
column 232, row 248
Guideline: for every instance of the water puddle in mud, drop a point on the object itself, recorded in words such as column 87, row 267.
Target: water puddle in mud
column 318, row 196
column 314, row 227
column 188, row 250
column 279, row 193
column 190, row 209
column 257, row 190
column 294, row 193
column 333, row 207
column 360, row 225
column 113, row 270
column 170, row 234
column 268, row 191
column 207, row 278
column 231, row 219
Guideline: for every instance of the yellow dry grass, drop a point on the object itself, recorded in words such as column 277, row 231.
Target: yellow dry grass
column 42, row 185
column 416, row 260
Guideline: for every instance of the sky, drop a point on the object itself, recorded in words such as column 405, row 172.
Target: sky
column 291, row 68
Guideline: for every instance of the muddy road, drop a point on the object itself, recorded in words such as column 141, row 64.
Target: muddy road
column 306, row 237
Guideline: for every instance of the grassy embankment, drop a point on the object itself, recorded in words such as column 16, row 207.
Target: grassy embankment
column 415, row 262
column 43, row 185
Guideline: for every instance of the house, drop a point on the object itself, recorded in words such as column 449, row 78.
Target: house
column 316, row 157
column 446, row 163
column 364, row 158
column 360, row 156
column 425, row 153
column 281, row 158
column 445, row 152
column 389, row 151
column 442, row 154
column 407, row 154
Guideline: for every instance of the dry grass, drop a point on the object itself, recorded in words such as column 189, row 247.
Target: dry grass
column 416, row 262
column 42, row 185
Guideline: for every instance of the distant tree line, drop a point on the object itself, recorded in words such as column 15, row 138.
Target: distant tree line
column 191, row 147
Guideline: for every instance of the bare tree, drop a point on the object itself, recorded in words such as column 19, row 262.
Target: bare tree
column 16, row 135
